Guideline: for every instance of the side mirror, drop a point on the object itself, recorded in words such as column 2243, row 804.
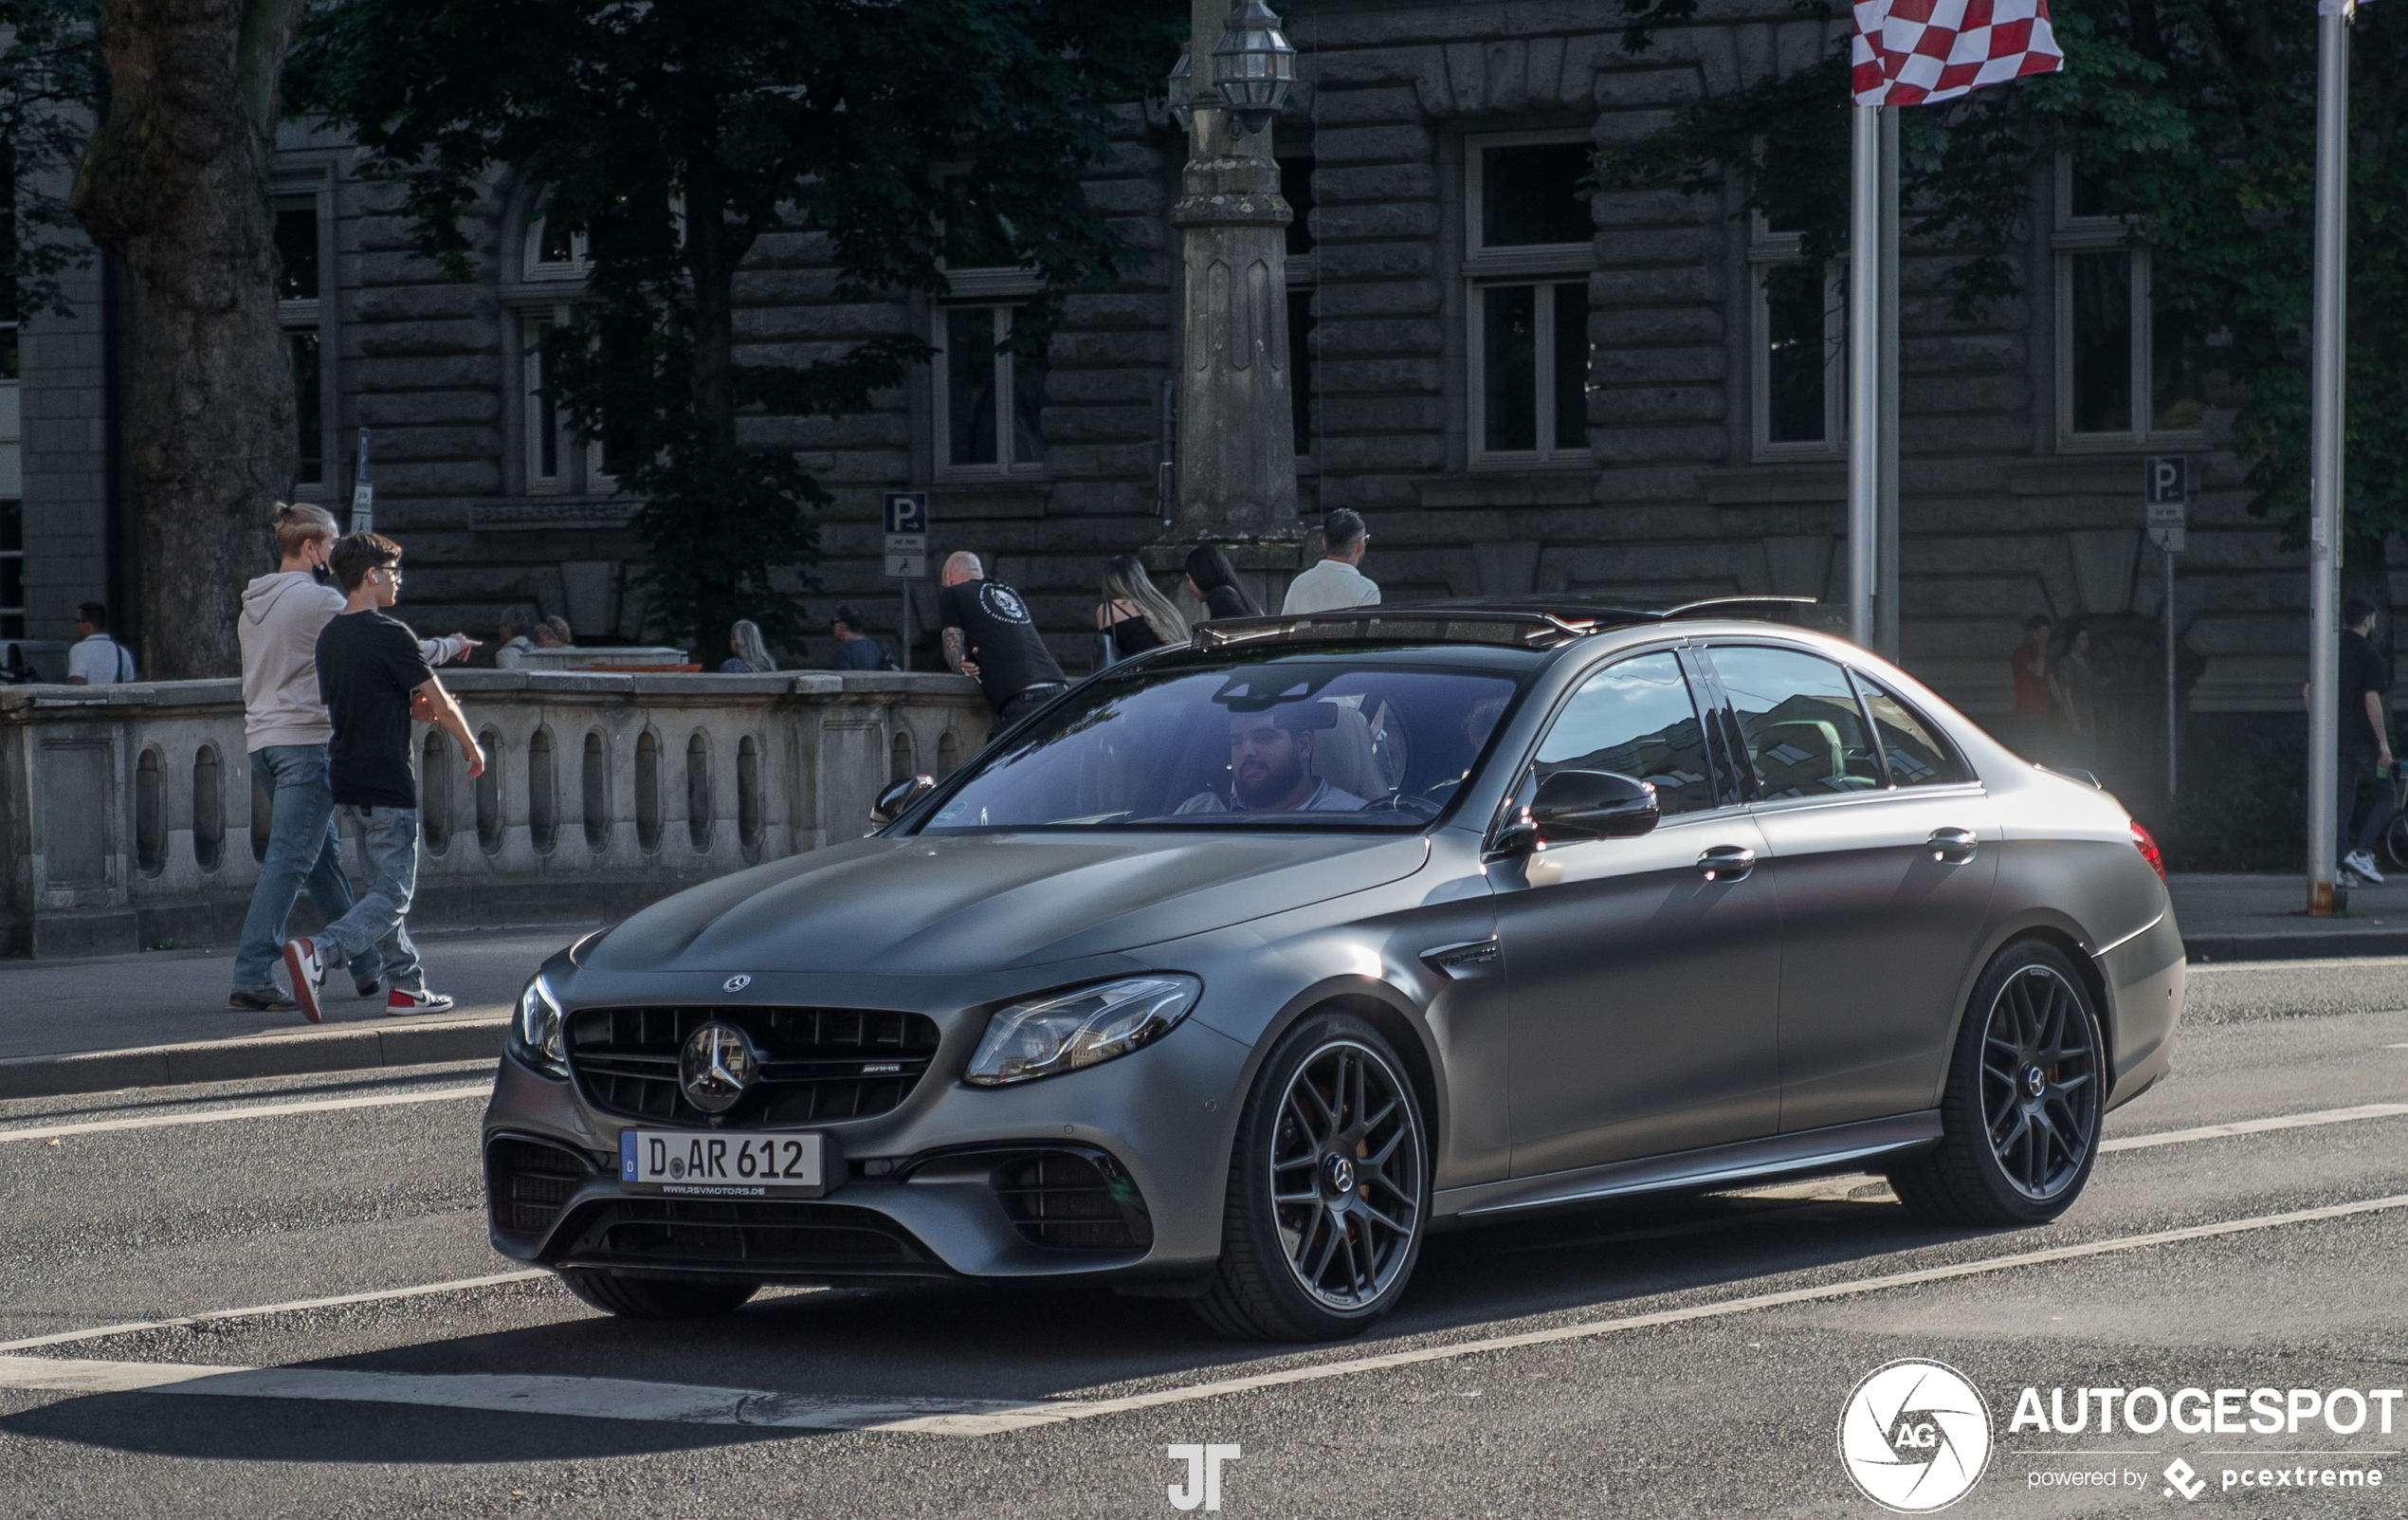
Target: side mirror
column 896, row 798
column 1594, row 805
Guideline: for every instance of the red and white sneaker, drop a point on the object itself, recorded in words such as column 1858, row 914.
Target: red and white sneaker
column 307, row 963
column 417, row 1000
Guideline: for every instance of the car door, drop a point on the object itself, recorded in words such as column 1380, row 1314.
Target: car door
column 1641, row 988
column 1877, row 832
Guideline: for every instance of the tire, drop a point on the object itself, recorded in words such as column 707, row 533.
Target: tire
column 633, row 1297
column 1332, row 1160
column 2021, row 1131
column 2395, row 841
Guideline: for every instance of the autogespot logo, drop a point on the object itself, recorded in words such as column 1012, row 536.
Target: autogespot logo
column 1915, row 1436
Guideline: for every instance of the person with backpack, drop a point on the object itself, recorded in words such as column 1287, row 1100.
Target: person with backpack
column 855, row 648
column 97, row 660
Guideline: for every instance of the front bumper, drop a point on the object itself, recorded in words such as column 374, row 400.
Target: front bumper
column 1114, row 1172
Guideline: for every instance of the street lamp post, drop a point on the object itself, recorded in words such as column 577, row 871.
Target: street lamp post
column 1237, row 433
column 2324, row 461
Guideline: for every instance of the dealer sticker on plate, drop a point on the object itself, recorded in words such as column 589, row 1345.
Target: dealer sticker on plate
column 724, row 1165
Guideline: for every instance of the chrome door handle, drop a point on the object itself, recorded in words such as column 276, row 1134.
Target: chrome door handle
column 1726, row 863
column 1953, row 846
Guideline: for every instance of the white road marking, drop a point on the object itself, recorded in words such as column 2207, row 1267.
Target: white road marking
column 255, row 1110
column 618, row 1399
column 456, row 1286
column 2256, row 1127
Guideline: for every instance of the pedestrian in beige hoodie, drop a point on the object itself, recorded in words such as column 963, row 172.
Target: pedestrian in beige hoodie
column 285, row 729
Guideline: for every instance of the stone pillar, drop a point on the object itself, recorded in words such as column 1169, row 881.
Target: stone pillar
column 1236, row 435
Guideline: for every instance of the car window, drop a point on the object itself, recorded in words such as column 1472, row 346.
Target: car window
column 1636, row 717
column 1283, row 743
column 1918, row 756
column 1799, row 719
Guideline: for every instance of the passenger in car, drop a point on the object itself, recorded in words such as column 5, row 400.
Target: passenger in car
column 1271, row 762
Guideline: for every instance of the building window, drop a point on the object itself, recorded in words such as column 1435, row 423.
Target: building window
column 1800, row 375
column 1304, row 297
column 555, row 251
column 2129, row 372
column 11, row 570
column 302, row 312
column 1530, row 243
column 990, row 400
column 547, row 439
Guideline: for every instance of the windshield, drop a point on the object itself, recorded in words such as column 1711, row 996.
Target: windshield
column 1315, row 743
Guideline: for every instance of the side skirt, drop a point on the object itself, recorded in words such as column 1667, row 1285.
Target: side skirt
column 1837, row 1149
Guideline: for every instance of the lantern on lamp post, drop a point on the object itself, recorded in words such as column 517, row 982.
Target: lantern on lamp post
column 1175, row 91
column 1253, row 64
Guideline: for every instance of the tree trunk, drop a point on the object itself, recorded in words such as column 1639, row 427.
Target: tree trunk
column 176, row 182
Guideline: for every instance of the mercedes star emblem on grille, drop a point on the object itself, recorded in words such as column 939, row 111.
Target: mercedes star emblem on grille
column 716, row 1067
column 737, row 983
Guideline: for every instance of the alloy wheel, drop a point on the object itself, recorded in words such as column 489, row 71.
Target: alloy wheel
column 1346, row 1175
column 2039, row 1081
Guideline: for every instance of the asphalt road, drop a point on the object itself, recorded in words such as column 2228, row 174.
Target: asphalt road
column 1689, row 1357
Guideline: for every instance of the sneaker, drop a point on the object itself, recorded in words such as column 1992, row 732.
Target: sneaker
column 416, row 1000
column 267, row 999
column 371, row 987
column 307, row 964
column 2362, row 862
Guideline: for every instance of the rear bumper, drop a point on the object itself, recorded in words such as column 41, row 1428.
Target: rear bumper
column 2145, row 977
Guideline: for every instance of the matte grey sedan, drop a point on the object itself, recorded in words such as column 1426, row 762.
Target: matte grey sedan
column 1239, row 968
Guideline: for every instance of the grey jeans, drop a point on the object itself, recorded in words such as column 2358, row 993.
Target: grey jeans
column 388, row 878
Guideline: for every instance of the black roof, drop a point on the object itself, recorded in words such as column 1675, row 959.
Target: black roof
column 1517, row 622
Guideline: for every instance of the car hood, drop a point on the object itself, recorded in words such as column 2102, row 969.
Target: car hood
column 944, row 904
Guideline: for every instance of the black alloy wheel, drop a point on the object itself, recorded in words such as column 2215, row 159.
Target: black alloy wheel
column 1329, row 1189
column 2025, row 1095
column 632, row 1296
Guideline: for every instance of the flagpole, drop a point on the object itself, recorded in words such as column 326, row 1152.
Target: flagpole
column 2324, row 456
column 1865, row 413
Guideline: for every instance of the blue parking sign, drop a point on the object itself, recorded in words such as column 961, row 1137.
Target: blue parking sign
column 2169, row 479
column 906, row 511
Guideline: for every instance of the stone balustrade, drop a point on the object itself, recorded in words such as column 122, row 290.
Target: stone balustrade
column 130, row 816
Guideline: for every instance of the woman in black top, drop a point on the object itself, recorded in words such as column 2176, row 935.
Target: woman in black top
column 1134, row 615
column 1212, row 580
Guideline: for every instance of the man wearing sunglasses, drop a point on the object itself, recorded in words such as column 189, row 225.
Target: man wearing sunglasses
column 374, row 678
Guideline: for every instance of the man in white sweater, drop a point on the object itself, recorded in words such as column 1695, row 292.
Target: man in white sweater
column 1335, row 584
column 286, row 729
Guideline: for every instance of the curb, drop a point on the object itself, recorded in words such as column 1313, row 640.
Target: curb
column 2328, row 944
column 346, row 1048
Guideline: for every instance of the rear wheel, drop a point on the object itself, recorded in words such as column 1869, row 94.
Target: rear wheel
column 2020, row 1116
column 1328, row 1190
column 636, row 1297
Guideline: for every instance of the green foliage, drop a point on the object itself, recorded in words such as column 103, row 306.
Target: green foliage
column 2249, row 813
column 50, row 76
column 676, row 137
column 2197, row 119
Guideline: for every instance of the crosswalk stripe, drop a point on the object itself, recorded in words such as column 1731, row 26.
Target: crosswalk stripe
column 255, row 1110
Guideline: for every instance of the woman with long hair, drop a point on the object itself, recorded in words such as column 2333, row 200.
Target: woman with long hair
column 752, row 656
column 1212, row 580
column 1136, row 615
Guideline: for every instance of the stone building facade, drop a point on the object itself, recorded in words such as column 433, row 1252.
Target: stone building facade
column 1519, row 391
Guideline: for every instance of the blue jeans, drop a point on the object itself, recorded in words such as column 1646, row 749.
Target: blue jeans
column 388, row 878
column 302, row 848
column 2358, row 763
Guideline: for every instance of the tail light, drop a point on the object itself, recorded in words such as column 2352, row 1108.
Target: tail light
column 2142, row 841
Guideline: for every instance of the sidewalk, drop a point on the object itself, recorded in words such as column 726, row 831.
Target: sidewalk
column 93, row 1025
column 2264, row 918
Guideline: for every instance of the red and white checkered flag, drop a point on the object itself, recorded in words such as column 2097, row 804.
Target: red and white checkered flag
column 1919, row 52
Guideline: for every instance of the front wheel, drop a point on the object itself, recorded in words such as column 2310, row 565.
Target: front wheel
column 1328, row 1190
column 2026, row 1091
column 632, row 1297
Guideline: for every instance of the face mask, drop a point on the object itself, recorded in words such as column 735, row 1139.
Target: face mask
column 323, row 574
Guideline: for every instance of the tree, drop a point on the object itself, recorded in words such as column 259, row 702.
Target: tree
column 176, row 182
column 49, row 82
column 2197, row 117
column 675, row 138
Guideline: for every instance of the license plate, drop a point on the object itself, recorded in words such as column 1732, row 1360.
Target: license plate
column 699, row 1165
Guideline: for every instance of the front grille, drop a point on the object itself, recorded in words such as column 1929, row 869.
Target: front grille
column 818, row 1065
column 527, row 1182
column 774, row 1234
column 1072, row 1202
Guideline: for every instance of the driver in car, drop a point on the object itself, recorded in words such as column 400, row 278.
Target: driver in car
column 1271, row 762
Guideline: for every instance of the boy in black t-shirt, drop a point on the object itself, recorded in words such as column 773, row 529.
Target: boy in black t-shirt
column 988, row 633
column 374, row 679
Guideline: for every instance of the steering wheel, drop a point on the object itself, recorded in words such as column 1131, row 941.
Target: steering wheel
column 1418, row 807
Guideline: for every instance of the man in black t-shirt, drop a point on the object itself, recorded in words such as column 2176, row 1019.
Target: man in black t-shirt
column 2364, row 751
column 374, row 679
column 988, row 633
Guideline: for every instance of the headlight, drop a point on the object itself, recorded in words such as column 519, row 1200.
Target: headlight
column 1075, row 1029
column 539, row 1035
